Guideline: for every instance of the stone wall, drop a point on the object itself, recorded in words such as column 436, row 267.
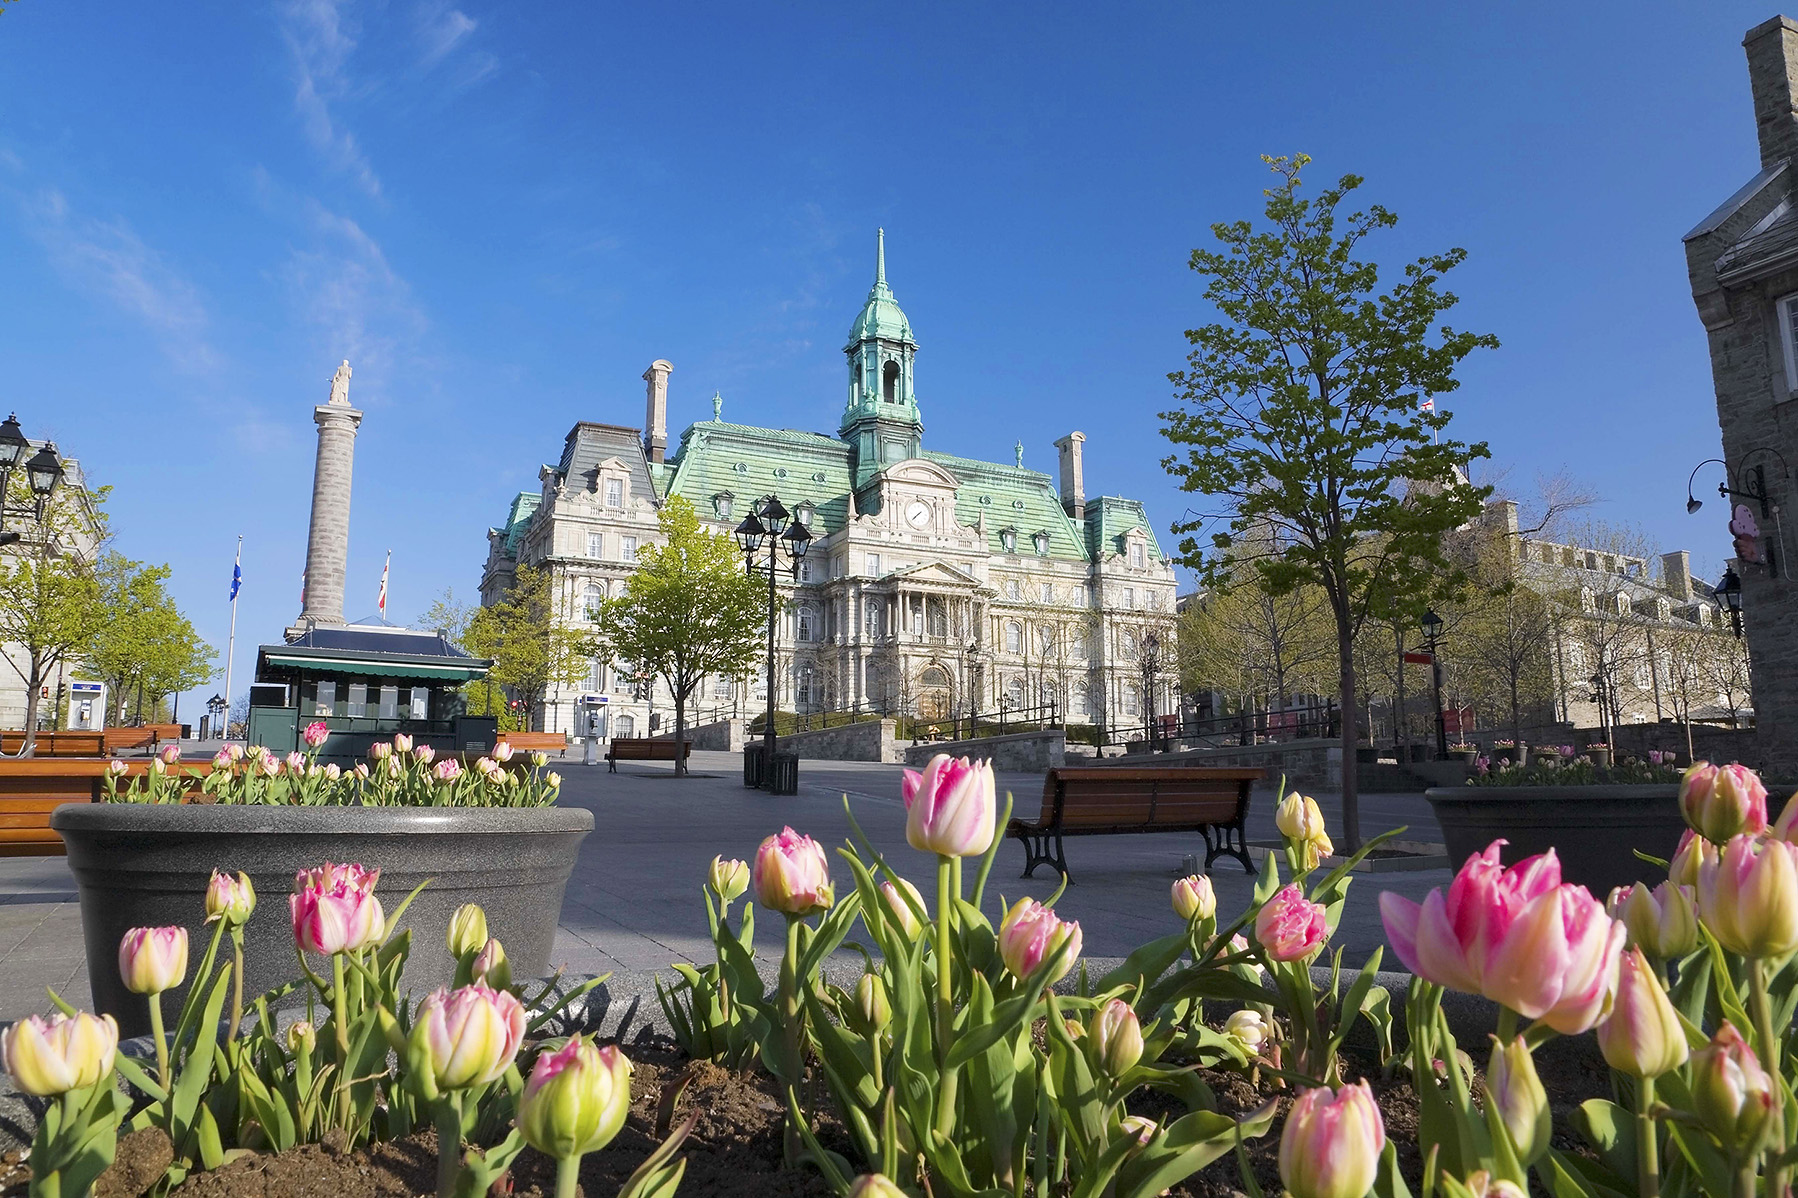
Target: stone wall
column 1017, row 752
column 723, row 736
column 1307, row 764
column 870, row 740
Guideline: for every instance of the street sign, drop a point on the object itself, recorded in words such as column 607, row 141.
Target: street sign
column 1418, row 659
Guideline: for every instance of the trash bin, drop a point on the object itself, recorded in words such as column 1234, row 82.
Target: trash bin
column 752, row 765
column 784, row 777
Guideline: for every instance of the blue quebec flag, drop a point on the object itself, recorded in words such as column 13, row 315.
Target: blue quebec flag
column 237, row 574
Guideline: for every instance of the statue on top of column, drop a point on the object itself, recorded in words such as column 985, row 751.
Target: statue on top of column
column 340, row 385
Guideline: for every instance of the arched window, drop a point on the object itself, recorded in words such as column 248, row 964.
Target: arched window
column 806, row 624
column 1014, row 692
column 889, row 382
column 934, row 677
column 1045, row 640
column 858, row 380
column 807, row 681
column 1014, row 637
column 1132, row 701
column 1127, row 644
column 625, row 728
column 593, row 599
column 871, row 616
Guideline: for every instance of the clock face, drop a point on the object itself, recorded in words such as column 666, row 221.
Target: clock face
column 917, row 514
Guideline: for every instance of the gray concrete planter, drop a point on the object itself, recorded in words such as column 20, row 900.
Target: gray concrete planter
column 143, row 866
column 1593, row 829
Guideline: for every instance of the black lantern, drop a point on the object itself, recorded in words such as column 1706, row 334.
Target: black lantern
column 1432, row 625
column 774, row 516
column 1729, row 598
column 749, row 534
column 1432, row 629
column 45, row 469
column 798, row 539
column 12, row 443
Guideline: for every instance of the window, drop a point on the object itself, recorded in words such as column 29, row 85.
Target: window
column 1041, row 540
column 1154, row 599
column 1643, row 680
column 721, row 688
column 1548, row 555
column 1585, row 599
column 614, row 492
column 803, row 687
column 358, row 700
column 1130, row 597
column 1008, row 541
column 889, row 382
column 1137, row 555
column 871, row 564
column 1591, row 560
column 627, row 549
column 596, row 674
column 325, row 701
column 1045, row 641
column 1077, row 645
column 724, row 504
column 1132, row 701
column 1048, row 592
column 1576, row 659
column 626, row 726
column 805, row 513
column 807, row 624
column 596, row 544
column 1623, row 604
column 593, row 599
column 420, row 706
column 390, row 702
column 1014, row 692
column 1092, row 595
column 1127, row 644
column 1014, row 637
column 1083, row 703
column 1788, row 324
column 871, row 618
column 1014, row 590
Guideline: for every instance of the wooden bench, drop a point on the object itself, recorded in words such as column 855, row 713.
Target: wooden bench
column 628, row 748
column 533, row 742
column 30, row 790
column 57, row 744
column 1116, row 800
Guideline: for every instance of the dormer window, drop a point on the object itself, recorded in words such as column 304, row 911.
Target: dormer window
column 614, row 491
column 1138, row 555
column 723, row 502
column 1041, row 541
column 804, row 513
column 1008, row 540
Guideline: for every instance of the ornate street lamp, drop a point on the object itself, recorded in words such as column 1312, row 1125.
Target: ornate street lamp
column 971, row 685
column 1432, row 631
column 43, row 472
column 1150, row 659
column 215, row 707
column 1729, row 599
column 766, row 526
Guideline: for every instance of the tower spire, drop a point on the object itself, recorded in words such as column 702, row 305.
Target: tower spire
column 880, row 263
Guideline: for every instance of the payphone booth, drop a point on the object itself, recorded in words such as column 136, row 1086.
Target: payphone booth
column 591, row 725
column 87, row 706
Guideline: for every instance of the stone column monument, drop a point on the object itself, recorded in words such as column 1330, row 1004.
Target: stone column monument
column 328, row 544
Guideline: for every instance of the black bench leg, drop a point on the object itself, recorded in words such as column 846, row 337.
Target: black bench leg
column 1036, row 852
column 611, row 765
column 1219, row 841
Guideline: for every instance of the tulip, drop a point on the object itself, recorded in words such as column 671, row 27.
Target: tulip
column 1518, row 936
column 1194, row 898
column 169, row 754
column 152, row 960
column 491, row 969
column 468, row 1036
column 302, row 1037
column 402, row 743
column 1248, row 1028
column 872, row 1004
column 448, row 770
column 539, row 759
column 1748, row 896
column 950, row 807
column 361, row 771
column 316, row 734
column 575, row 1100
column 1290, row 927
column 55, row 1054
column 1332, row 1143
column 1031, row 934
column 553, row 780
column 1482, row 1184
column 874, row 1185
column 1731, row 1094
column 341, row 919
column 1722, row 801
column 230, row 899
column 1114, row 1037
column 1299, row 817
column 467, row 930
column 1642, row 1035
column 424, row 754
column 380, row 751
column 1239, row 944
column 116, row 768
column 1142, row 1129
column 221, row 761
column 158, row 767
column 1661, row 922
column 296, row 762
column 1514, row 1088
column 269, row 764
column 235, row 750
column 792, row 875
column 904, row 913
column 1694, row 850
column 502, row 752
column 329, row 877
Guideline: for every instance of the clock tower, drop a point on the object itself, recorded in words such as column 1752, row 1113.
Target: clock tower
column 880, row 420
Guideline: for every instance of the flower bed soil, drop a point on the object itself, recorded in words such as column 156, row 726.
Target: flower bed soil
column 735, row 1148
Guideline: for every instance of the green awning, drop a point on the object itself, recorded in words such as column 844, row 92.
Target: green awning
column 378, row 669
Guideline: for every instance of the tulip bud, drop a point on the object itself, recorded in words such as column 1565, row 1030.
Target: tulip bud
column 1290, row 927
column 1721, row 802
column 116, row 768
column 380, row 751
column 553, row 780
column 905, row 914
column 302, row 1037
column 1694, row 850
column 502, row 752
column 872, row 1005
column 1482, row 1184
column 1298, row 817
column 1141, row 1129
column 152, row 960
column 575, row 1100
column 53, row 1055
column 1248, row 1028
column 539, row 759
column 1663, row 922
column 169, row 754
column 468, row 1036
column 1514, row 1088
column 728, row 879
column 1031, row 934
column 874, row 1185
column 1642, row 1037
column 491, row 969
column 1194, row 898
column 402, row 743
column 1748, row 896
column 316, row 734
column 1332, row 1143
column 1731, row 1094
column 467, row 930
column 949, row 808
column 792, row 875
column 344, row 918
column 230, row 899
column 1114, row 1038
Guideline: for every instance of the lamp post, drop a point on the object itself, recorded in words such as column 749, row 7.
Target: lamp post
column 1150, row 659
column 1601, row 696
column 970, row 656
column 43, row 474
column 766, row 527
column 1729, row 599
column 1432, row 631
column 215, row 707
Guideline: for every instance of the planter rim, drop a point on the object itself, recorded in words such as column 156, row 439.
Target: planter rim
column 200, row 818
column 1496, row 794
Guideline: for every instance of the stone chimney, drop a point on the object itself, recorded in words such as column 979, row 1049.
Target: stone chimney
column 1073, row 480
column 1772, row 48
column 1676, row 575
column 655, row 417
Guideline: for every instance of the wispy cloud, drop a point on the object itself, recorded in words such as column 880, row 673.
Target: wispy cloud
column 106, row 257
column 320, row 40
column 442, row 31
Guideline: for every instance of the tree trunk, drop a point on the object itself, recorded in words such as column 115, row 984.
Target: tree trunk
column 1399, row 739
column 680, row 727
column 1351, row 798
column 29, row 747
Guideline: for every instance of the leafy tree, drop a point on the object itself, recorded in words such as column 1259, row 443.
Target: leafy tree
column 531, row 648
column 1259, row 647
column 144, row 646
column 1302, row 423
column 688, row 610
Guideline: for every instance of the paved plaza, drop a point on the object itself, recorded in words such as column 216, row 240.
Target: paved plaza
column 633, row 901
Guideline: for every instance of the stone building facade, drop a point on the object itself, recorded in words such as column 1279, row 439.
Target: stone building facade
column 937, row 585
column 72, row 530
column 1742, row 261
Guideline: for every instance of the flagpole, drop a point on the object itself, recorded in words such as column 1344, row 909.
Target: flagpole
column 231, row 644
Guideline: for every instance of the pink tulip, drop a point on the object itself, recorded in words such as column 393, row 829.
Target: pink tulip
column 469, row 1035
column 221, row 760
column 296, row 762
column 1332, row 1142
column 448, row 770
column 1722, row 801
column 316, row 733
column 576, row 1099
column 1732, row 1094
column 949, row 808
column 235, row 750
column 1748, row 896
column 269, row 763
column 502, row 752
column 230, row 899
column 340, row 919
column 402, row 743
column 1642, row 1035
column 1194, row 898
column 1693, row 851
column 152, row 960
column 1290, row 927
column 361, row 771
column 424, row 754
column 1031, row 934
column 791, row 874
column 116, row 768
column 1518, row 936
column 903, row 912
column 169, row 754
column 329, row 876
column 54, row 1055
column 380, row 751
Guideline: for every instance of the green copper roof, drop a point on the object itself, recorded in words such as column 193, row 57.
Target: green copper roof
column 1011, row 497
column 745, row 462
column 1108, row 518
column 524, row 506
column 880, row 316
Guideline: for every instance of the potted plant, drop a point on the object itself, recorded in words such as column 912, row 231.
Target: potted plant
column 1599, row 753
column 1465, row 753
column 1504, row 752
column 490, row 833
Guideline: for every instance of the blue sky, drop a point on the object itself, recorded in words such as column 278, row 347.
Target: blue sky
column 502, row 213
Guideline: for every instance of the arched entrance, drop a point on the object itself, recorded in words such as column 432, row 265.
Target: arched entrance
column 934, row 698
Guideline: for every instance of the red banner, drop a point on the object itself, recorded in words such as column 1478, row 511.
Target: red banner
column 1418, row 659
